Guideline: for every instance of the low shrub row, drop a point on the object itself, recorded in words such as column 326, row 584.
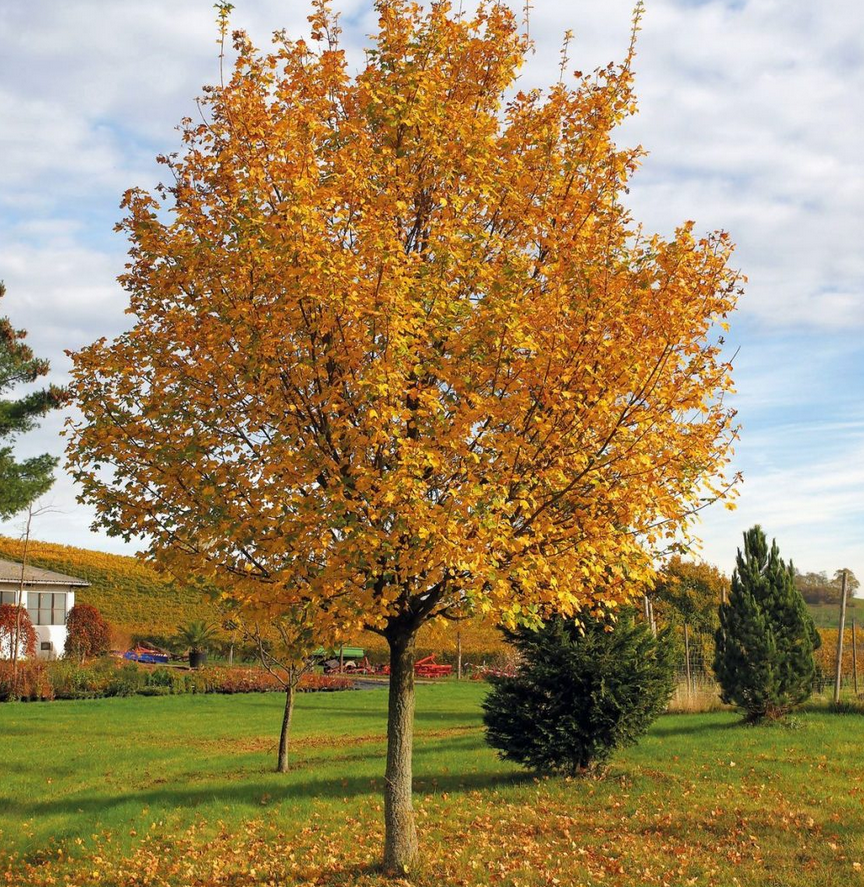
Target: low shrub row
column 43, row 681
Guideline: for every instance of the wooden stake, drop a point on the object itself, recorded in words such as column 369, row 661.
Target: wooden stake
column 458, row 655
column 687, row 656
column 854, row 659
column 839, row 671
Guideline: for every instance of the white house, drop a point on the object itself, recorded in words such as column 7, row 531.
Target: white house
column 48, row 597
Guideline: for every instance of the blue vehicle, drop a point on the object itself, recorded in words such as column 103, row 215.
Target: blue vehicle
column 146, row 654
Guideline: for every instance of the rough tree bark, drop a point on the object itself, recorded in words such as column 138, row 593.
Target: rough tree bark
column 400, row 839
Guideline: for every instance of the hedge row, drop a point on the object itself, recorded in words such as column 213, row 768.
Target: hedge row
column 43, row 681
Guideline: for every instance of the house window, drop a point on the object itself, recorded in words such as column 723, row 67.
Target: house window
column 8, row 597
column 46, row 646
column 46, row 607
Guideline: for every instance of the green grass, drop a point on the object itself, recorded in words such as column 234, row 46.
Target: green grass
column 180, row 791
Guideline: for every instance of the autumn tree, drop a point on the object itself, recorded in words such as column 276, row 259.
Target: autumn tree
column 686, row 596
column 87, row 633
column 852, row 583
column 690, row 592
column 817, row 588
column 17, row 635
column 22, row 482
column 400, row 353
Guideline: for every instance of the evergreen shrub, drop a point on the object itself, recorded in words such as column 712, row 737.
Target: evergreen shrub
column 580, row 692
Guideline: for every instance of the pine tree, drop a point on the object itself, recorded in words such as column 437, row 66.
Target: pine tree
column 582, row 691
column 22, row 482
column 765, row 642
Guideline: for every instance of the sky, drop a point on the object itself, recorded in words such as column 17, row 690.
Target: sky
column 751, row 114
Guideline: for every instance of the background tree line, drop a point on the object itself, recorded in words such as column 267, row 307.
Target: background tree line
column 817, row 588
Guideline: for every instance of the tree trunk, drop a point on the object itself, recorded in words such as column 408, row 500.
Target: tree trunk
column 400, row 838
column 282, row 764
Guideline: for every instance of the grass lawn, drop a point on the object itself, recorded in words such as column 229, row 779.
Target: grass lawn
column 179, row 791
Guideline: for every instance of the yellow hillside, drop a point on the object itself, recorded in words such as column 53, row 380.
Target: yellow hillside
column 130, row 594
column 136, row 599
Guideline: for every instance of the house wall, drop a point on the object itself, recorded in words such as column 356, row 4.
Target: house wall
column 55, row 635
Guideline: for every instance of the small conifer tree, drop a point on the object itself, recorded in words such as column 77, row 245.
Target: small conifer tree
column 766, row 638
column 581, row 691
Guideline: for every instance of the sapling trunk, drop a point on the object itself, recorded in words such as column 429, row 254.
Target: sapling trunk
column 400, row 832
column 282, row 763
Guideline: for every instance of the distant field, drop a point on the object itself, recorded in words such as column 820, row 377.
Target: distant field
column 828, row 615
column 131, row 595
column 137, row 600
column 180, row 791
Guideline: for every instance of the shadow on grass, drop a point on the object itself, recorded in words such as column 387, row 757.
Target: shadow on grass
column 421, row 717
column 352, row 874
column 826, row 706
column 304, row 757
column 263, row 791
column 663, row 729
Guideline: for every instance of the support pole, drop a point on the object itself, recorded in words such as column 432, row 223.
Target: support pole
column 839, row 671
column 854, row 659
column 687, row 657
column 458, row 655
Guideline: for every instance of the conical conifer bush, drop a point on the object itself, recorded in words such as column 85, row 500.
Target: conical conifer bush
column 765, row 642
column 583, row 690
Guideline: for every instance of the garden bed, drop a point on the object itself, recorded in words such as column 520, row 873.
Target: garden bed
column 43, row 681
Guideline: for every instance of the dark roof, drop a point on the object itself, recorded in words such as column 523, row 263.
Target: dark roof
column 10, row 574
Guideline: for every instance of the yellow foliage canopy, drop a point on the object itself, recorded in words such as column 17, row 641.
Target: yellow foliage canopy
column 399, row 351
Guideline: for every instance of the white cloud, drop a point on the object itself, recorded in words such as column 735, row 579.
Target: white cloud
column 750, row 111
column 814, row 508
column 63, row 294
